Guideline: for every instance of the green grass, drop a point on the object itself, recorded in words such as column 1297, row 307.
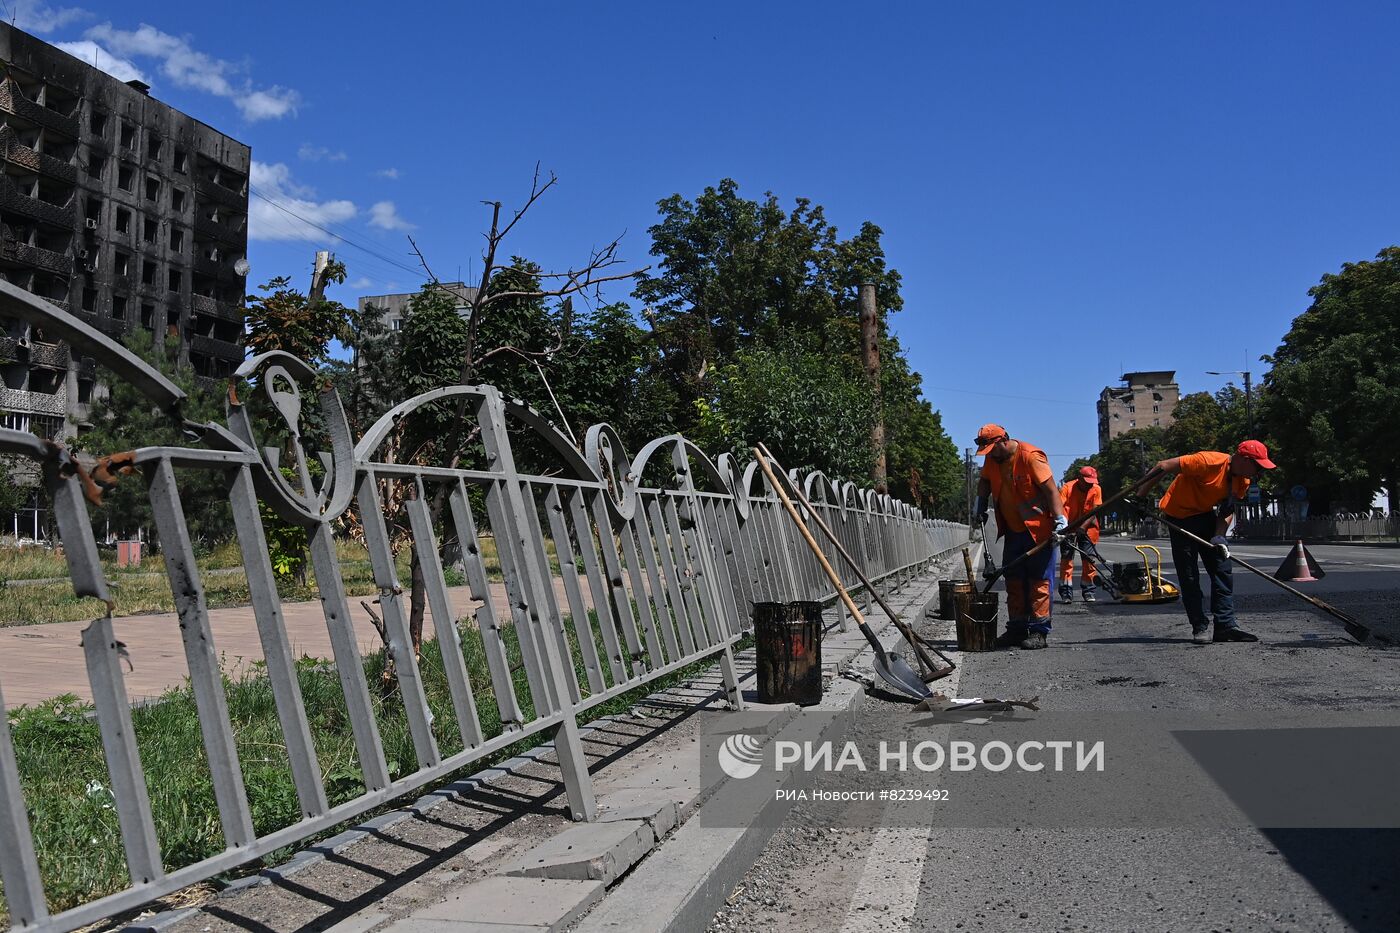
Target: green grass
column 145, row 589
column 76, row 833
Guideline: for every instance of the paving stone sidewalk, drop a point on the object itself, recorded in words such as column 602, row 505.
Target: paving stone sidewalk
column 39, row 662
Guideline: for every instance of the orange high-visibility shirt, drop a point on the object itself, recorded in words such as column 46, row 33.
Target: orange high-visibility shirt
column 1203, row 483
column 1014, row 484
column 1080, row 497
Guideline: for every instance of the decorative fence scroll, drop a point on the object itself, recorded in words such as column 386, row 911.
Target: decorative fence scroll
column 613, row 571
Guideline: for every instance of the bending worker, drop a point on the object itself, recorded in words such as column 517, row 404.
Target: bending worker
column 1201, row 499
column 1079, row 496
column 1017, row 476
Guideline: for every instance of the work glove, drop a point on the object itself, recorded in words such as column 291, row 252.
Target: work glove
column 1221, row 547
column 1061, row 523
column 981, row 510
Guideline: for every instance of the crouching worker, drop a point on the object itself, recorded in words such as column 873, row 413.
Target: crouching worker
column 1081, row 496
column 1017, row 477
column 1201, row 499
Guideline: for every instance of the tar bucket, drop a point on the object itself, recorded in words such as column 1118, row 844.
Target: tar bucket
column 977, row 620
column 948, row 591
column 788, row 645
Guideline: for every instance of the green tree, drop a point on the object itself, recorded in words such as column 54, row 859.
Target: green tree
column 1332, row 396
column 124, row 420
column 735, row 273
column 810, row 411
column 282, row 318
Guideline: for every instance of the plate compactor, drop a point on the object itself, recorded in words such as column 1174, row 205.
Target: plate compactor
column 1128, row 583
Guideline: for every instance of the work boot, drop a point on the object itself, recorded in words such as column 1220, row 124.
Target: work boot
column 1011, row 638
column 1088, row 596
column 1201, row 636
column 1033, row 640
column 1066, row 593
column 1233, row 634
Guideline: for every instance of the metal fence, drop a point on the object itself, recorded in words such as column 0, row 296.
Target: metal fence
column 1345, row 527
column 613, row 571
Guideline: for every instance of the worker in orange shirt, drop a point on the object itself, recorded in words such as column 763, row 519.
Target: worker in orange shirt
column 1201, row 499
column 1081, row 495
column 1017, row 476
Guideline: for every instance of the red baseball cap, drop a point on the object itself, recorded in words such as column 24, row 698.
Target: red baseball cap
column 988, row 436
column 1255, row 450
column 1089, row 474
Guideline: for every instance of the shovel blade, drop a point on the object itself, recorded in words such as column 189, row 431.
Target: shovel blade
column 896, row 672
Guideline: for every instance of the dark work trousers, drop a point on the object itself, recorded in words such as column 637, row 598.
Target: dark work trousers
column 1188, row 573
column 1028, row 602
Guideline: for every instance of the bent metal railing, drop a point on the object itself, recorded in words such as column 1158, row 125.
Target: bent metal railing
column 644, row 579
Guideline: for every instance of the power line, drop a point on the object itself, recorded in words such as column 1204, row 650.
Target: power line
column 416, row 273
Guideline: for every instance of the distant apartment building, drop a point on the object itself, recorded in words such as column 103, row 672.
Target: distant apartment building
column 119, row 209
column 393, row 307
column 1145, row 400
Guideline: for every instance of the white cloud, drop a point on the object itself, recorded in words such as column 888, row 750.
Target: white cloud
column 310, row 153
column 271, row 104
column 93, row 54
column 360, row 283
column 282, row 209
column 188, row 67
column 384, row 215
column 388, row 173
column 38, row 17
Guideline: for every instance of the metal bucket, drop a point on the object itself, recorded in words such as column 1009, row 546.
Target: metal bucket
column 947, row 597
column 788, row 646
column 977, row 620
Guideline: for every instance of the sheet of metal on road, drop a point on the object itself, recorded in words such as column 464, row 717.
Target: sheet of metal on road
column 668, row 550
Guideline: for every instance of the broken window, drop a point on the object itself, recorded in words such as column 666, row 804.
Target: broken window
column 96, row 162
column 177, row 239
column 177, row 199
column 148, row 273
column 128, row 136
column 90, row 299
column 176, row 280
column 153, row 147
column 97, row 123
column 119, row 306
column 148, row 315
column 123, row 220
column 149, row 228
column 121, row 263
column 182, row 161
column 152, row 188
column 126, row 178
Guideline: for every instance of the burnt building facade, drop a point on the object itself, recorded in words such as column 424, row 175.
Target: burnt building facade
column 1144, row 400
column 121, row 210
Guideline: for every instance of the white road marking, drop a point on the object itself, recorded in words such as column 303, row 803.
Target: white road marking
column 887, row 894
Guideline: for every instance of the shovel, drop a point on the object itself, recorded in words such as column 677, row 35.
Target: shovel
column 916, row 642
column 892, row 669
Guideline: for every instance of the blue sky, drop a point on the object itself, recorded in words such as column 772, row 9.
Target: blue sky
column 1069, row 190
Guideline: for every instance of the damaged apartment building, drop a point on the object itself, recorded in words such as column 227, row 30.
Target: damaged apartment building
column 120, row 210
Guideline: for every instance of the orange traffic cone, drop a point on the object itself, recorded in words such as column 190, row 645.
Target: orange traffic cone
column 1300, row 566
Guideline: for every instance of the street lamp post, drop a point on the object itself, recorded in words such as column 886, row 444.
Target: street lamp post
column 1248, row 394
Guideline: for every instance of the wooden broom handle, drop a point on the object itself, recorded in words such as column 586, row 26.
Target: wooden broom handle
column 811, row 542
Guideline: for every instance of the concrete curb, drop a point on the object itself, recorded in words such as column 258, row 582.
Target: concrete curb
column 682, row 884
column 685, row 881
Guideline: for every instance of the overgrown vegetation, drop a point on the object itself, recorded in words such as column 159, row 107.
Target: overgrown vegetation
column 76, row 833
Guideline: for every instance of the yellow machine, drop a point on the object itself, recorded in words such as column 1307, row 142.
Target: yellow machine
column 1129, row 583
column 1146, row 585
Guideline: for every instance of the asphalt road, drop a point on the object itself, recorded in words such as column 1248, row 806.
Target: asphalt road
column 824, row 871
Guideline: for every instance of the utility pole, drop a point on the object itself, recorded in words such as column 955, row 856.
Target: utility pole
column 318, row 277
column 967, row 477
column 1248, row 394
column 870, row 355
